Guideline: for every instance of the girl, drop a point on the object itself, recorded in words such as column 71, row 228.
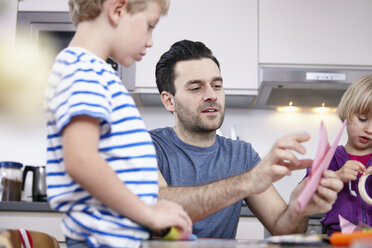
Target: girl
column 353, row 159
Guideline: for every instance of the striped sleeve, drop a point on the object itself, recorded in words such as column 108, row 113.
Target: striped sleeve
column 81, row 92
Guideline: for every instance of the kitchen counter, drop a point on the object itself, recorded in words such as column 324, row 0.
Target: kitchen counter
column 36, row 216
column 44, row 207
column 39, row 216
column 25, row 206
column 219, row 243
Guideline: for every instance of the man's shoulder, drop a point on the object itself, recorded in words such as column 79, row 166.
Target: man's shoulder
column 158, row 131
column 161, row 135
column 230, row 142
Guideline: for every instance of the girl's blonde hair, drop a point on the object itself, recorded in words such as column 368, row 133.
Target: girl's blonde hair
column 357, row 99
column 82, row 10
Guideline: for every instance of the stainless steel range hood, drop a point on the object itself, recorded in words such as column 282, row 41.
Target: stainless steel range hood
column 305, row 86
column 150, row 97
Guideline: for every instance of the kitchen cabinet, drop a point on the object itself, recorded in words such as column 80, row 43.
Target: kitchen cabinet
column 43, row 5
column 229, row 29
column 326, row 32
column 36, row 216
column 8, row 18
column 250, row 228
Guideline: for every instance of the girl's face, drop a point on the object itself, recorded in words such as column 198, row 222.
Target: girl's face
column 359, row 131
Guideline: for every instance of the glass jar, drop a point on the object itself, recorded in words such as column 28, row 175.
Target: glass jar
column 11, row 181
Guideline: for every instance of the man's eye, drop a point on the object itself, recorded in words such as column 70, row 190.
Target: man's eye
column 195, row 89
column 218, row 86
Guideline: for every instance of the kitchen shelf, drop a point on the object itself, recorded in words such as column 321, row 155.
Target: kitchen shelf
column 25, row 206
column 44, row 207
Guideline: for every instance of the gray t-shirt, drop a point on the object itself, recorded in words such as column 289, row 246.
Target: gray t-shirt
column 185, row 165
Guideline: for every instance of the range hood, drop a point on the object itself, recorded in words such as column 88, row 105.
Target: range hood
column 305, row 86
column 150, row 97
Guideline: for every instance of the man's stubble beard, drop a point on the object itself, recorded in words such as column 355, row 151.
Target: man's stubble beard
column 192, row 122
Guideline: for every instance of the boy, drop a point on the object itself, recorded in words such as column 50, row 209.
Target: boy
column 101, row 167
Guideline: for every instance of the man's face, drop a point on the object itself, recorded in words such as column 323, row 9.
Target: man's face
column 199, row 101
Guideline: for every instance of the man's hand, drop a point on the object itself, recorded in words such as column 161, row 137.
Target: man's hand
column 350, row 170
column 324, row 196
column 280, row 161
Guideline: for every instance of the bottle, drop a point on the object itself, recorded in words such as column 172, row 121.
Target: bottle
column 11, row 180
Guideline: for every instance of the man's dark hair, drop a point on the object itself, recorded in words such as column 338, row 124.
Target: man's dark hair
column 180, row 51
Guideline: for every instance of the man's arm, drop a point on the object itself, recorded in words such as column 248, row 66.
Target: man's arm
column 286, row 219
column 274, row 213
column 202, row 201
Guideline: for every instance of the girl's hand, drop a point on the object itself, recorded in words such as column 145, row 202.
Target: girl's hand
column 350, row 171
column 368, row 170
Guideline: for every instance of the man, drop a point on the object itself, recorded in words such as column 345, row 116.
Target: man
column 210, row 175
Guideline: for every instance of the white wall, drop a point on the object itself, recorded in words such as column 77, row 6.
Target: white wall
column 26, row 142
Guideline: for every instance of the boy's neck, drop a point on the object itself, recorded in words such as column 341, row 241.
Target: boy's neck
column 89, row 37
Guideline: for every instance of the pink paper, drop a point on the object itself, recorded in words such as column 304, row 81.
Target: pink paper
column 323, row 147
column 321, row 162
column 346, row 226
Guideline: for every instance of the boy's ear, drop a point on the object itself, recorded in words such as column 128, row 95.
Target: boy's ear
column 167, row 100
column 116, row 10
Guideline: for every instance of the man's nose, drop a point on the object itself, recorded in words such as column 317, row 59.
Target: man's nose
column 210, row 94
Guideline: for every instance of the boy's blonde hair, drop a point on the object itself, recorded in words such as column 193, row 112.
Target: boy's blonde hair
column 357, row 99
column 82, row 10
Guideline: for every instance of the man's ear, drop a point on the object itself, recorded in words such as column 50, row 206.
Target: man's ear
column 167, row 100
column 116, row 9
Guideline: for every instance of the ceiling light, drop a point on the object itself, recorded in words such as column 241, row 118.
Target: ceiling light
column 323, row 109
column 288, row 109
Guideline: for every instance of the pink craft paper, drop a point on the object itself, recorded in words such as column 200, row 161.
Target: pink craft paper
column 346, row 226
column 323, row 147
column 321, row 162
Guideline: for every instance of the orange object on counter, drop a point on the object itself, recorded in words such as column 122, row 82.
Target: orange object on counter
column 339, row 238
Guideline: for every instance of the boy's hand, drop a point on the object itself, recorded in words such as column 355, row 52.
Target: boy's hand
column 350, row 171
column 169, row 214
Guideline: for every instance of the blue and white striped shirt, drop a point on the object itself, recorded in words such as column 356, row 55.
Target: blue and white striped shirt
column 83, row 84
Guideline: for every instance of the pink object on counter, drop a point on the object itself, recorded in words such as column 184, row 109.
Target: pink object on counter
column 346, row 226
column 321, row 162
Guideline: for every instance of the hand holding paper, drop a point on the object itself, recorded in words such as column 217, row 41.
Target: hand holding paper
column 321, row 162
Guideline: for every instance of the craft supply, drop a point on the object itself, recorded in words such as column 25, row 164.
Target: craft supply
column 321, row 162
column 174, row 234
column 339, row 238
column 296, row 239
column 346, row 225
column 362, row 189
